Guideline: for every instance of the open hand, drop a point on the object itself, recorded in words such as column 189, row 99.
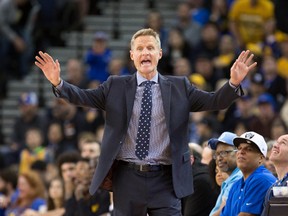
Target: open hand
column 241, row 67
column 50, row 68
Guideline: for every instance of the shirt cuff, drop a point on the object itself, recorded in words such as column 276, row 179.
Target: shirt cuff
column 238, row 89
column 57, row 89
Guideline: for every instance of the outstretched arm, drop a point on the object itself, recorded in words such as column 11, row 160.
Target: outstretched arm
column 241, row 67
column 50, row 68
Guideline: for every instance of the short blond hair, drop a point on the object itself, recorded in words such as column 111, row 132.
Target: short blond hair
column 146, row 32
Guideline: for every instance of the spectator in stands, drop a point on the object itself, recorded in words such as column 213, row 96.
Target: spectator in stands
column 186, row 24
column 247, row 195
column 8, row 184
column 256, row 87
column 238, row 117
column 116, row 67
column 219, row 15
column 55, row 200
column 203, row 199
column 226, row 161
column 90, row 149
column 274, row 83
column 81, row 203
column 56, row 143
column 97, row 58
column 206, row 128
column 278, row 128
column 155, row 21
column 30, row 194
column 71, row 118
column 67, row 168
column 209, row 41
column 247, row 20
column 182, row 67
column 227, row 54
column 263, row 119
column 17, row 20
column 282, row 62
column 268, row 164
column 279, row 158
column 33, row 151
column 220, row 177
column 75, row 73
column 214, row 170
column 207, row 154
column 203, row 65
column 29, row 117
column 178, row 47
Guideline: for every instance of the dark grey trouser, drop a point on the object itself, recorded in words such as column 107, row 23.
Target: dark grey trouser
column 137, row 193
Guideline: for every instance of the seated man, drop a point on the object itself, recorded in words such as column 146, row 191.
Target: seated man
column 247, row 195
column 279, row 159
column 224, row 155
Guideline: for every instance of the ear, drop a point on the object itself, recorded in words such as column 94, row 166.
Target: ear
column 131, row 55
column 160, row 54
column 262, row 159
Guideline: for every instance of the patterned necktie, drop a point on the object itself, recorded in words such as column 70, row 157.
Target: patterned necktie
column 143, row 133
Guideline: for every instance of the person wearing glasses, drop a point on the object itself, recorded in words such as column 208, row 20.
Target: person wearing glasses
column 224, row 154
column 247, row 195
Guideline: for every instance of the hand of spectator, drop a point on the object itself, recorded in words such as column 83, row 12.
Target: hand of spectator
column 50, row 68
column 241, row 67
column 4, row 201
column 30, row 212
column 19, row 44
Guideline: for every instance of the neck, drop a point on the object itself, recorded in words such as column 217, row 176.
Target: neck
column 281, row 171
column 58, row 203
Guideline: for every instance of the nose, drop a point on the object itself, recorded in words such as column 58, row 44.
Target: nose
column 145, row 51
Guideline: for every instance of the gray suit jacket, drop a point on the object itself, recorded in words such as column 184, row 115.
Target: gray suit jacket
column 116, row 97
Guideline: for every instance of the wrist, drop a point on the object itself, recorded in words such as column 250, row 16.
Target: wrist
column 233, row 83
column 57, row 83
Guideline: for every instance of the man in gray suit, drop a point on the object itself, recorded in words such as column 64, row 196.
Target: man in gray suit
column 147, row 175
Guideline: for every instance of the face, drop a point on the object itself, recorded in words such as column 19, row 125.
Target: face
column 68, row 171
column 145, row 53
column 56, row 189
column 83, row 171
column 248, row 157
column 220, row 176
column 33, row 139
column 225, row 163
column 280, row 151
column 24, row 187
column 90, row 150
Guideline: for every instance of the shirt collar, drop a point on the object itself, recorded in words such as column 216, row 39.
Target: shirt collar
column 141, row 79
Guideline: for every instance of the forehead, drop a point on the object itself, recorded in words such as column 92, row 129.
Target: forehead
column 144, row 40
column 66, row 166
column 223, row 146
column 246, row 145
column 283, row 139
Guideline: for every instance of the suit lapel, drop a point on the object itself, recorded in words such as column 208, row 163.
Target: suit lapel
column 130, row 92
column 165, row 86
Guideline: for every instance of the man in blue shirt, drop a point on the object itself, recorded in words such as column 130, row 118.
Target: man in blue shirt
column 225, row 152
column 279, row 159
column 247, row 195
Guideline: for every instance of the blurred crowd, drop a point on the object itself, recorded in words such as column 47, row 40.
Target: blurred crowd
column 47, row 163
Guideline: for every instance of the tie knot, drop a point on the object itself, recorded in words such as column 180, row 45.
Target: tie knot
column 147, row 84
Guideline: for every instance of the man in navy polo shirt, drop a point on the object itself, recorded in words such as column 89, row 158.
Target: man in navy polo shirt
column 247, row 195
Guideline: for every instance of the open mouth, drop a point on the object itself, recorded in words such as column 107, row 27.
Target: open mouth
column 145, row 62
